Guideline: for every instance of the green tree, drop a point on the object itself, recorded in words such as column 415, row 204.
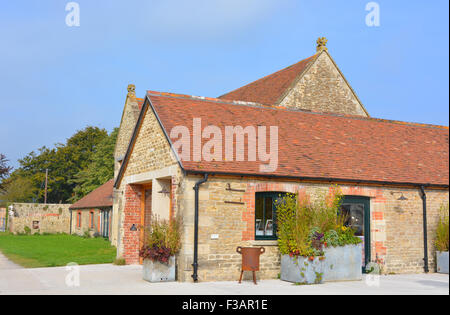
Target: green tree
column 63, row 163
column 99, row 171
column 4, row 170
column 19, row 189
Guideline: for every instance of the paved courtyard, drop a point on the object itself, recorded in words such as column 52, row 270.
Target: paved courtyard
column 110, row 279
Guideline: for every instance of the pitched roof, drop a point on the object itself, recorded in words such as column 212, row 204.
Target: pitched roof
column 99, row 198
column 268, row 90
column 316, row 145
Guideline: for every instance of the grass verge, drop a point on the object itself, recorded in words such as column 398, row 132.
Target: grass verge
column 34, row 251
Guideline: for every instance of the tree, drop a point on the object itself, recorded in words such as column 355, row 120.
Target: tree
column 99, row 171
column 19, row 189
column 4, row 170
column 63, row 163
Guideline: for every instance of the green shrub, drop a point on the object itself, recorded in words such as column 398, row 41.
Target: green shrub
column 301, row 222
column 119, row 261
column 26, row 230
column 442, row 232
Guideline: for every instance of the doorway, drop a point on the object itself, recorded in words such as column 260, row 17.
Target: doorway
column 357, row 210
column 105, row 223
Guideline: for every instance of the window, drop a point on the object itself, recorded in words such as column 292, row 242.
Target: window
column 79, row 219
column 91, row 220
column 265, row 215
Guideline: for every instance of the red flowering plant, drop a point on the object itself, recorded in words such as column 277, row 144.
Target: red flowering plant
column 163, row 240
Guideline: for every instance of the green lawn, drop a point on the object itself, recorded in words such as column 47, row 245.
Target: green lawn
column 34, row 251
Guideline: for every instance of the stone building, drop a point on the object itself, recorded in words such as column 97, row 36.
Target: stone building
column 2, row 219
column 93, row 212
column 391, row 172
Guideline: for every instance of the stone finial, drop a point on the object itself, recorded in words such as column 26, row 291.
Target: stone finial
column 131, row 90
column 321, row 44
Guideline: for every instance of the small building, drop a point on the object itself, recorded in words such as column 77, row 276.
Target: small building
column 2, row 219
column 93, row 212
column 394, row 175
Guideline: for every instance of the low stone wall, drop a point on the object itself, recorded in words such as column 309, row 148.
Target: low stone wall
column 40, row 218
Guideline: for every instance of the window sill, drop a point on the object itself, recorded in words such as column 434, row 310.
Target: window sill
column 264, row 243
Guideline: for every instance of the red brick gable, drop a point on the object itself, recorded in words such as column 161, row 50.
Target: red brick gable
column 319, row 146
column 269, row 89
column 98, row 198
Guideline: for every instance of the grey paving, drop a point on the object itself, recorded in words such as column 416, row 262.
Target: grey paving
column 6, row 264
column 110, row 279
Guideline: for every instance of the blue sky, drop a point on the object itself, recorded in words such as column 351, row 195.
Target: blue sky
column 56, row 79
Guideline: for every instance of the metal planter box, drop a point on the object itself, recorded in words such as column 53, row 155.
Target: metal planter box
column 343, row 263
column 442, row 262
column 158, row 272
column 302, row 270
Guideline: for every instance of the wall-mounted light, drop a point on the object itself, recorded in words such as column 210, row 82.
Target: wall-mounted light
column 401, row 198
column 164, row 191
column 133, row 228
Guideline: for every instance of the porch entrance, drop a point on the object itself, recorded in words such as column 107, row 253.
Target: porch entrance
column 357, row 209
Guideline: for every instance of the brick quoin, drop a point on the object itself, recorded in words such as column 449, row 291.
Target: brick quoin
column 131, row 216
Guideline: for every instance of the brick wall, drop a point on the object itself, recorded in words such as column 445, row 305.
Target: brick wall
column 322, row 88
column 132, row 216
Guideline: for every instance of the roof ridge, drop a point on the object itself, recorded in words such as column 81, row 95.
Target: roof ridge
column 259, row 105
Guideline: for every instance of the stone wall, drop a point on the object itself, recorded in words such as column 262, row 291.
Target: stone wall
column 151, row 153
column 324, row 89
column 79, row 227
column 396, row 226
column 49, row 218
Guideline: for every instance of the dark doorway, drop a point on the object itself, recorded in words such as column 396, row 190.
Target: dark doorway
column 357, row 209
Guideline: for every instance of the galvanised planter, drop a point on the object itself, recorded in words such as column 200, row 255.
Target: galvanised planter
column 158, row 272
column 343, row 263
column 301, row 270
column 442, row 262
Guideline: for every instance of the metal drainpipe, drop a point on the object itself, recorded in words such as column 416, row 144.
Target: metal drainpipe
column 425, row 231
column 195, row 264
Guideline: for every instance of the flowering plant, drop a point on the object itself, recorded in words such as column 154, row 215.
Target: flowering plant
column 163, row 240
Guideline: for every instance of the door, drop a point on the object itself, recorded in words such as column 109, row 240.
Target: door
column 357, row 210
column 105, row 223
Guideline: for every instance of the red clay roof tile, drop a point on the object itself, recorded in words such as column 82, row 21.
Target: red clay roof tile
column 269, row 89
column 318, row 145
column 99, row 198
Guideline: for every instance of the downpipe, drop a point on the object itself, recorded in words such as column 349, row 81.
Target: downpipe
column 195, row 264
column 425, row 231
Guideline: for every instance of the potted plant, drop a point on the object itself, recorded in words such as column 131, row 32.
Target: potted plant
column 314, row 242
column 442, row 241
column 163, row 242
